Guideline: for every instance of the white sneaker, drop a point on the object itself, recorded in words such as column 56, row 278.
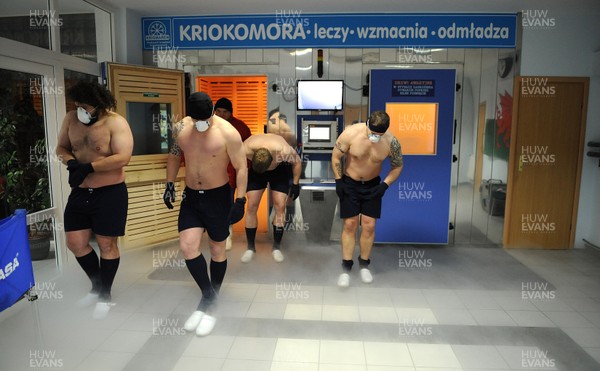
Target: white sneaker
column 344, row 280
column 228, row 242
column 247, row 256
column 192, row 323
column 207, row 323
column 89, row 299
column 277, row 256
column 101, row 310
column 365, row 275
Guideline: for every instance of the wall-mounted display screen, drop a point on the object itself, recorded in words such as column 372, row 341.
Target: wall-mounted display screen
column 415, row 125
column 320, row 95
column 319, row 133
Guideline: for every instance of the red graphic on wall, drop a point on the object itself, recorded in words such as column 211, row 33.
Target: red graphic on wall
column 503, row 119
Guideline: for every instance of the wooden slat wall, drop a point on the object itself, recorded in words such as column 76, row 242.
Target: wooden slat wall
column 248, row 94
column 148, row 219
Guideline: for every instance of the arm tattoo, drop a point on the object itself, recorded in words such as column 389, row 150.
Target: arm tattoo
column 176, row 129
column 396, row 154
column 338, row 169
column 175, row 149
column 339, row 147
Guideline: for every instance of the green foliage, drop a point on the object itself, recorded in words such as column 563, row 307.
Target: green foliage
column 23, row 163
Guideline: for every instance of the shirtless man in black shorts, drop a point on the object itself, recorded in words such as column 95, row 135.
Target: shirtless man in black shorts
column 209, row 144
column 360, row 188
column 271, row 158
column 95, row 144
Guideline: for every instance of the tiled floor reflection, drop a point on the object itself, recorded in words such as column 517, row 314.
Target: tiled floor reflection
column 429, row 308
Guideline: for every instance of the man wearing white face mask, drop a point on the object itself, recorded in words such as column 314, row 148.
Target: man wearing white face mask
column 209, row 144
column 95, row 144
column 359, row 186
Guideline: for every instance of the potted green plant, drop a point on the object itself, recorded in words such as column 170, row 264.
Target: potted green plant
column 24, row 173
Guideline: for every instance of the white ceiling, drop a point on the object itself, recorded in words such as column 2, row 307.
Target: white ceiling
column 215, row 7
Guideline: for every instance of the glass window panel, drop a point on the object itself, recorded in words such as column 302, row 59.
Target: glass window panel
column 24, row 157
column 85, row 31
column 27, row 21
column 415, row 126
column 151, row 127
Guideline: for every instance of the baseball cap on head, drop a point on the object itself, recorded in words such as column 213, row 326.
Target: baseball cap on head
column 199, row 106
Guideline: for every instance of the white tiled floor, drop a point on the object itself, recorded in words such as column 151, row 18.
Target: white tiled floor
column 292, row 316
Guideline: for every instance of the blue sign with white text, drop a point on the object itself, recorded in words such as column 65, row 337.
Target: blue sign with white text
column 293, row 29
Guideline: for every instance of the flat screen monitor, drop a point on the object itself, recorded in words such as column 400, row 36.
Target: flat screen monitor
column 319, row 133
column 320, row 95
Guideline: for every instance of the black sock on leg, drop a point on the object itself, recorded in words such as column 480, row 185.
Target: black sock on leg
column 108, row 271
column 197, row 268
column 363, row 263
column 91, row 266
column 277, row 237
column 217, row 274
column 347, row 265
column 250, row 237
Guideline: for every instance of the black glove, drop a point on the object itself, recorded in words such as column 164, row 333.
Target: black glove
column 295, row 191
column 78, row 172
column 169, row 195
column 237, row 210
column 377, row 191
column 339, row 188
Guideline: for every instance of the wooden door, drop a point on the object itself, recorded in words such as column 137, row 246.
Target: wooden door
column 148, row 220
column 546, row 153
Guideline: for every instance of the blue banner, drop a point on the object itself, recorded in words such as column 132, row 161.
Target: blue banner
column 16, row 271
column 293, row 29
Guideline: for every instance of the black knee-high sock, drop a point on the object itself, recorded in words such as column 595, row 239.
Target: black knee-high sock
column 277, row 236
column 217, row 273
column 108, row 271
column 250, row 237
column 91, row 266
column 197, row 268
